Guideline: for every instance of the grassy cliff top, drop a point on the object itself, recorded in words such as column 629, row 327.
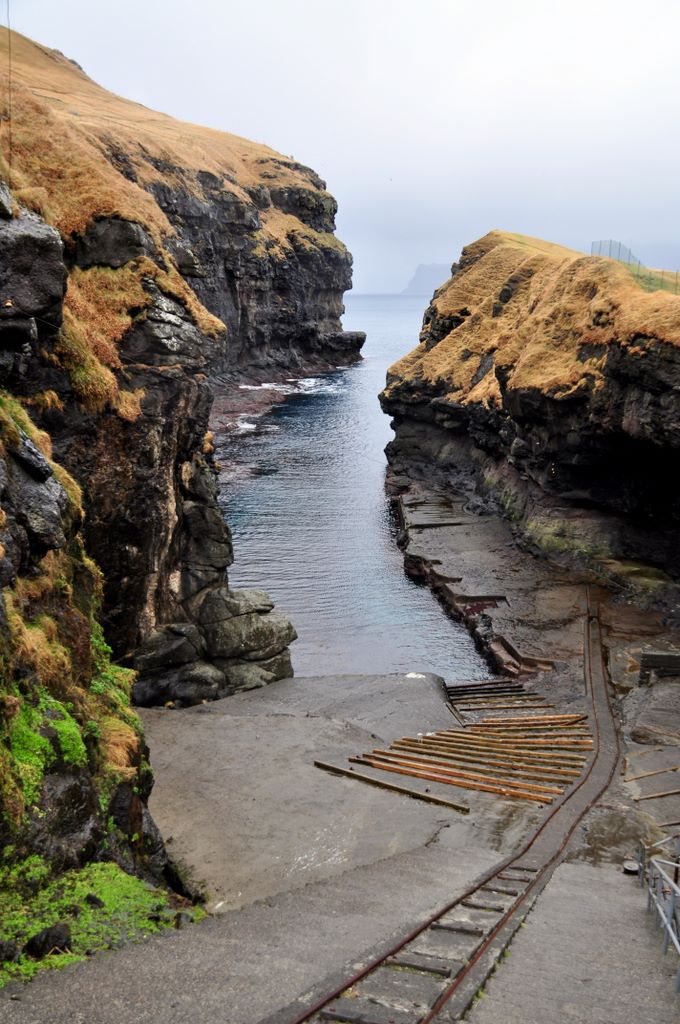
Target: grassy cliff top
column 541, row 313
column 80, row 153
column 77, row 146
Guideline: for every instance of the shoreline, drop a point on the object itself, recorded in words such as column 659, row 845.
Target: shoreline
column 520, row 607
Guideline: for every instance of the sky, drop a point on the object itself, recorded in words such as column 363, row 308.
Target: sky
column 432, row 121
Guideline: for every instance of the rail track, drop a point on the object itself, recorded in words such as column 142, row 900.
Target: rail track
column 433, row 974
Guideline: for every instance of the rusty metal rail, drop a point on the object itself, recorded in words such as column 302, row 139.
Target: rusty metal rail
column 445, row 960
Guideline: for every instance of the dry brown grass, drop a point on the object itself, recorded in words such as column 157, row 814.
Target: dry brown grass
column 562, row 300
column 121, row 746
column 70, row 137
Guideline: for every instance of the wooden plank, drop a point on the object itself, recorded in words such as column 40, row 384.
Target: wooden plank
column 494, row 762
column 519, row 719
column 566, row 756
column 465, row 772
column 657, row 796
column 462, row 784
column 648, row 775
column 480, row 776
column 521, row 742
column 497, row 707
column 393, row 787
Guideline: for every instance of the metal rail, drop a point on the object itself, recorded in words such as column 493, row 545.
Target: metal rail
column 663, row 892
column 446, row 959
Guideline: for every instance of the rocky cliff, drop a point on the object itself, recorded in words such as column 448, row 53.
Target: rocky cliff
column 188, row 252
column 139, row 257
column 549, row 382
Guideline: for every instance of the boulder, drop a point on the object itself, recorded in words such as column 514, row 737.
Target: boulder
column 174, row 644
column 190, row 684
column 8, row 952
column 250, row 675
column 251, row 636
column 56, row 938
column 112, row 242
column 223, row 603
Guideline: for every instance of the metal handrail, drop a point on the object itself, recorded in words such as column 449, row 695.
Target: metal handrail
column 663, row 895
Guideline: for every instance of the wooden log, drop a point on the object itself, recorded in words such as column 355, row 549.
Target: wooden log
column 657, row 796
column 497, row 707
column 393, row 787
column 494, row 762
column 545, row 752
column 511, row 737
column 648, row 775
column 519, row 719
column 525, row 741
column 432, row 777
column 477, row 739
column 467, row 773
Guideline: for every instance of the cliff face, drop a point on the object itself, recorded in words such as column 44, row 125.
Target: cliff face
column 550, row 381
column 188, row 252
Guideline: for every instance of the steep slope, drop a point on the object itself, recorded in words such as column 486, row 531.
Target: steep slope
column 139, row 257
column 251, row 230
column 189, row 252
column 551, row 381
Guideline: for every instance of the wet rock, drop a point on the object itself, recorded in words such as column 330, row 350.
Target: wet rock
column 174, row 644
column 31, row 458
column 165, row 337
column 223, row 603
column 5, row 201
column 55, row 939
column 32, row 277
column 67, row 830
column 112, row 242
column 8, row 951
column 251, row 675
column 208, row 541
column 190, row 684
column 250, row 636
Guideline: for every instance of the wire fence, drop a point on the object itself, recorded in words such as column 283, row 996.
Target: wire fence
column 650, row 280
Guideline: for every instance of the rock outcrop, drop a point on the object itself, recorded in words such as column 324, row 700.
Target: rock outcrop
column 186, row 253
column 74, row 773
column 549, row 382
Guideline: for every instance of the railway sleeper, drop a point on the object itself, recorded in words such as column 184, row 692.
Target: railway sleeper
column 474, row 903
column 361, row 1011
column 474, row 917
column 428, row 964
column 447, row 943
column 400, row 989
column 495, row 888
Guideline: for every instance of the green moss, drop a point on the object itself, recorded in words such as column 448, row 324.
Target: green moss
column 561, row 537
column 102, row 905
column 111, row 683
column 71, row 745
column 31, row 752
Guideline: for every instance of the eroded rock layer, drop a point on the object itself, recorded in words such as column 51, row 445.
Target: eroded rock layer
column 179, row 252
column 550, row 382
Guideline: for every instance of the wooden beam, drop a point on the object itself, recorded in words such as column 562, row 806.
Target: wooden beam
column 497, row 761
column 563, row 755
column 648, row 775
column 433, row 777
column 657, row 796
column 467, row 773
column 393, row 787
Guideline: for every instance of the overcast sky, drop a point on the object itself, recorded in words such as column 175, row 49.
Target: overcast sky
column 432, row 121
